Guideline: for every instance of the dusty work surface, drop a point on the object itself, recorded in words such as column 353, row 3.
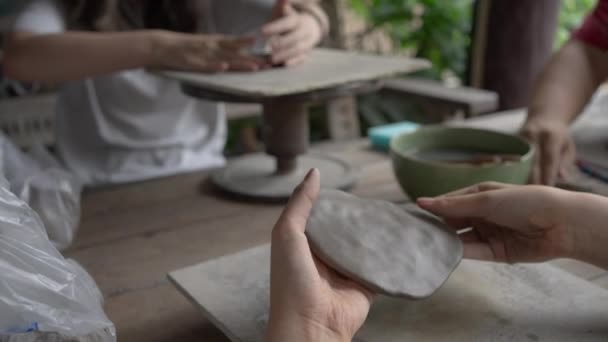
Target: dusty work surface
column 480, row 302
column 325, row 68
column 131, row 236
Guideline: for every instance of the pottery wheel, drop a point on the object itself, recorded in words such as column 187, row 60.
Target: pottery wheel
column 254, row 176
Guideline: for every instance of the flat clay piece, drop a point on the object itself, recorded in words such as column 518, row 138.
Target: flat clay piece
column 393, row 250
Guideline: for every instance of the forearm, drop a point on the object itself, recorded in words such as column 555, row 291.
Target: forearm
column 589, row 227
column 74, row 55
column 567, row 83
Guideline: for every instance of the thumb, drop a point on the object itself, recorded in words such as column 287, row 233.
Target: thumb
column 465, row 206
column 237, row 43
column 296, row 212
column 280, row 8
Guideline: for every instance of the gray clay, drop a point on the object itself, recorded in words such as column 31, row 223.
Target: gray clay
column 392, row 250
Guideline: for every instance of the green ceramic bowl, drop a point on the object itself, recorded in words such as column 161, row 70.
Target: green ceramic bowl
column 421, row 177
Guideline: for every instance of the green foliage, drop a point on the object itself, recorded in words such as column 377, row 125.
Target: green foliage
column 434, row 29
column 570, row 17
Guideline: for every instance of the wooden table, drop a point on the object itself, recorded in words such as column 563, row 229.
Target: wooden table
column 132, row 235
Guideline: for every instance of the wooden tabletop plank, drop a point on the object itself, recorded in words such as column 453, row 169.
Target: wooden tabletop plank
column 139, row 261
column 118, row 198
column 156, row 217
column 154, row 206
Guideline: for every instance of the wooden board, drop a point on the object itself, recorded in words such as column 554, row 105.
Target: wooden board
column 480, row 302
column 325, row 68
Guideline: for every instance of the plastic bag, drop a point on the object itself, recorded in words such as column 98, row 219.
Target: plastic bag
column 43, row 297
column 53, row 193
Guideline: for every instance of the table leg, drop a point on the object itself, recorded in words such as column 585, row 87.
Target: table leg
column 286, row 133
column 274, row 174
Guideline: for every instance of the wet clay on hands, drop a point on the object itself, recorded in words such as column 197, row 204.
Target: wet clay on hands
column 392, row 250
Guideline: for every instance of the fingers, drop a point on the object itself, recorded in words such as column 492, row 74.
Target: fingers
column 478, row 251
column 205, row 67
column 481, row 187
column 288, row 41
column 530, row 135
column 280, row 8
column 242, row 63
column 535, row 175
column 567, row 167
column 464, row 206
column 550, row 149
column 296, row 54
column 280, row 26
column 236, row 44
column 296, row 212
column 475, row 246
column 458, row 223
column 238, row 61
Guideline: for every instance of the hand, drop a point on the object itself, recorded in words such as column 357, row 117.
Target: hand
column 308, row 300
column 555, row 150
column 291, row 34
column 204, row 53
column 510, row 223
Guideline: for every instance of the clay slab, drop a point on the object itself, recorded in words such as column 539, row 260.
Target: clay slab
column 325, row 68
column 481, row 301
column 391, row 249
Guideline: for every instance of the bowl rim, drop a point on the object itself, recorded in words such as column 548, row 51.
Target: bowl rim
column 437, row 127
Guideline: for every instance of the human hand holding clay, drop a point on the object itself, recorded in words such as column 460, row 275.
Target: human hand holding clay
column 526, row 223
column 308, row 300
column 291, row 33
column 204, row 53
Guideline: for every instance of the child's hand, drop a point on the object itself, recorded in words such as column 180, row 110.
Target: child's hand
column 204, row 53
column 291, row 34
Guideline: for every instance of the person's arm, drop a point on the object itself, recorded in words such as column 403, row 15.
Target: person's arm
column 73, row 55
column 562, row 91
column 568, row 82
